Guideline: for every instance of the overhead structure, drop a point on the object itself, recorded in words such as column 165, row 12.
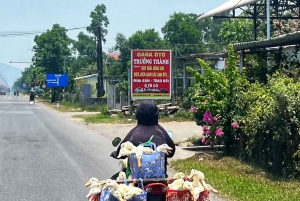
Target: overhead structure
column 230, row 5
column 282, row 40
column 255, row 9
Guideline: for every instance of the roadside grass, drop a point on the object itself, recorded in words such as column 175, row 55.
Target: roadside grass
column 72, row 107
column 239, row 181
column 196, row 140
column 120, row 118
column 100, row 118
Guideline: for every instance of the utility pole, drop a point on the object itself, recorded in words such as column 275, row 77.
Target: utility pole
column 100, row 87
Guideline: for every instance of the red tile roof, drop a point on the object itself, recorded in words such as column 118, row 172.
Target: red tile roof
column 114, row 55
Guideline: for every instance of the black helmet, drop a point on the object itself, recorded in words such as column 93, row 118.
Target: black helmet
column 147, row 113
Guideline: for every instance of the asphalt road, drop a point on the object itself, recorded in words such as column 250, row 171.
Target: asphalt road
column 46, row 157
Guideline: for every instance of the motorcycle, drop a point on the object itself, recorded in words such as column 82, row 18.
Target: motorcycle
column 31, row 98
column 156, row 188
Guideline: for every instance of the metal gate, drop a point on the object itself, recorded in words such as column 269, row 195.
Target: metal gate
column 114, row 99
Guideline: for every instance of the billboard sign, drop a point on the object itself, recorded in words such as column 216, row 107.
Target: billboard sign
column 151, row 74
column 56, row 80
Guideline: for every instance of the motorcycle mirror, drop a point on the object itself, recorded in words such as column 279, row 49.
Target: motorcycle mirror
column 116, row 141
column 170, row 133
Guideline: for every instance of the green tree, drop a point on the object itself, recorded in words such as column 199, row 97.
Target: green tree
column 123, row 47
column 210, row 27
column 148, row 39
column 86, row 48
column 51, row 48
column 99, row 18
column 181, row 30
column 18, row 83
column 236, row 30
column 114, row 67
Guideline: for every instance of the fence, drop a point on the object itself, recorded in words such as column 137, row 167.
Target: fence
column 78, row 98
column 94, row 101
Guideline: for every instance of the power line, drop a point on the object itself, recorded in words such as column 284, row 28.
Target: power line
column 26, row 33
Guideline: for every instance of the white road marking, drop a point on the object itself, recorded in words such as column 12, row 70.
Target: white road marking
column 13, row 102
column 16, row 112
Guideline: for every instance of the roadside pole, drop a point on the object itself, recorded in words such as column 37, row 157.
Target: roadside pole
column 100, row 87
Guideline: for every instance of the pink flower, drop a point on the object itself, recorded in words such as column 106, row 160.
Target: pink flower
column 207, row 117
column 203, row 140
column 193, row 109
column 206, row 130
column 235, row 124
column 219, row 132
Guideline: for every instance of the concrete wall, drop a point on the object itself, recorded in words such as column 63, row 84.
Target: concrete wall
column 93, row 81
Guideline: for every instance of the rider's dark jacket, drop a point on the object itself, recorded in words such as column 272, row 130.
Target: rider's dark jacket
column 147, row 126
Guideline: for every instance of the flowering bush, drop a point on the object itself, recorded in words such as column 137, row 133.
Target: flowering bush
column 212, row 133
column 257, row 122
column 215, row 98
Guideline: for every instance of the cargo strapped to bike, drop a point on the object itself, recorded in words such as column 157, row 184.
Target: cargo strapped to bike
column 141, row 197
column 152, row 165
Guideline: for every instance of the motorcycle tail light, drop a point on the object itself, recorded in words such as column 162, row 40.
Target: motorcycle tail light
column 148, row 190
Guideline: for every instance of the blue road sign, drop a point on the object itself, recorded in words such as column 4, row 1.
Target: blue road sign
column 56, row 80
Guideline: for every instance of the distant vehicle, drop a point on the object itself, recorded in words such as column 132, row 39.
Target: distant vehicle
column 139, row 90
column 2, row 92
column 163, row 90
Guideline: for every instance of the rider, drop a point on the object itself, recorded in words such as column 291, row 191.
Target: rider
column 147, row 126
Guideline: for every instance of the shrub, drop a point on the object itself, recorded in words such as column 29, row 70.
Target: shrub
column 104, row 111
column 186, row 114
column 258, row 122
column 217, row 94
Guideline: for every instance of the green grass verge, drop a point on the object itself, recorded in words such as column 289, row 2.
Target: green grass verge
column 122, row 119
column 72, row 107
column 239, row 181
column 100, row 118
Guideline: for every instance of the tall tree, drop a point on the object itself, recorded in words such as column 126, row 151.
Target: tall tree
column 236, row 30
column 148, row 39
column 99, row 18
column 51, row 48
column 181, row 30
column 210, row 29
column 123, row 47
column 86, row 47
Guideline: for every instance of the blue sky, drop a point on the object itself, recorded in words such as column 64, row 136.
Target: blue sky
column 125, row 16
